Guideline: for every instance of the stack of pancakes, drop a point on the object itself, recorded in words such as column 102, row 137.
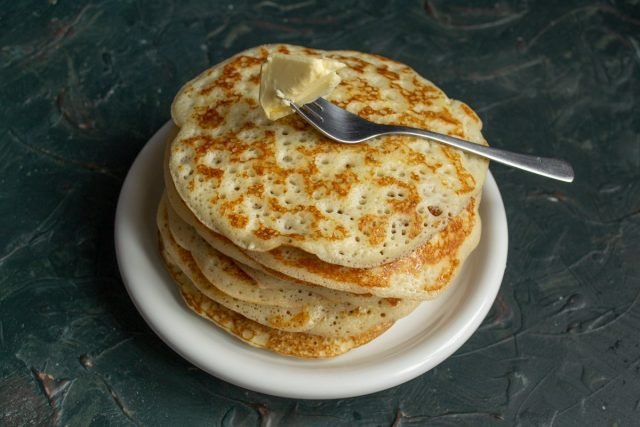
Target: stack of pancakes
column 301, row 245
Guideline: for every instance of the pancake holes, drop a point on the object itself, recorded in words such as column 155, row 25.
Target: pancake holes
column 383, row 314
column 287, row 159
column 250, row 135
column 329, row 210
column 435, row 210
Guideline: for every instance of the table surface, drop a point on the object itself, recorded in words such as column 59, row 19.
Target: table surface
column 83, row 85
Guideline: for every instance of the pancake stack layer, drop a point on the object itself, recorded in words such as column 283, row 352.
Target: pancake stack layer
column 301, row 245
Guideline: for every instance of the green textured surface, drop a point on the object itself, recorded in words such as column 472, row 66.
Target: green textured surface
column 83, row 85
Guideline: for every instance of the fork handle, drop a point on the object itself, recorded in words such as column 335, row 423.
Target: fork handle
column 545, row 166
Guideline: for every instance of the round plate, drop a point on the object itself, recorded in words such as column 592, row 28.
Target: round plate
column 411, row 347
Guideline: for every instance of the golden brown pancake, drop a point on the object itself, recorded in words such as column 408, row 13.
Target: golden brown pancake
column 265, row 185
column 287, row 343
column 421, row 275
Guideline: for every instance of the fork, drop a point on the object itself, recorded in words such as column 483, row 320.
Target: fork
column 346, row 127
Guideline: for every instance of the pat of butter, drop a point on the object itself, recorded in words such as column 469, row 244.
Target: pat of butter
column 299, row 79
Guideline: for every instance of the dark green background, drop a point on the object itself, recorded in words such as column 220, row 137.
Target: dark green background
column 83, row 85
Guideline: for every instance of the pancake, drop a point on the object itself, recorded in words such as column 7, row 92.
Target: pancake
column 271, row 281
column 286, row 343
column 264, row 185
column 324, row 320
column 421, row 275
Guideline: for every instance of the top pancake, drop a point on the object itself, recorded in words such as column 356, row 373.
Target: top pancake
column 265, row 184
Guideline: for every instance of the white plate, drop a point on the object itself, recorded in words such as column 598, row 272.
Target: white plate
column 411, row 347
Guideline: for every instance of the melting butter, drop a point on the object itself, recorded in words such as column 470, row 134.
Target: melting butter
column 297, row 78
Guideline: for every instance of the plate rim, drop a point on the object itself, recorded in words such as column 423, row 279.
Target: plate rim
column 134, row 258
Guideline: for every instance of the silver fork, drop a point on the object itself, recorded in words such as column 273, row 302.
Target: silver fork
column 343, row 126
